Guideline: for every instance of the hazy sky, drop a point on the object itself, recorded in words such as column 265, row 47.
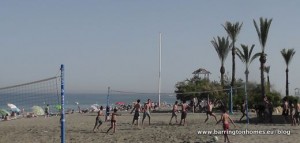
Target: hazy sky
column 116, row 43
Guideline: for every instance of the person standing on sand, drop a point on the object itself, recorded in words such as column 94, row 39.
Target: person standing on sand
column 174, row 112
column 225, row 120
column 98, row 119
column 147, row 108
column 285, row 110
column 183, row 112
column 243, row 110
column 113, row 121
column 295, row 118
column 209, row 111
column 47, row 111
column 136, row 108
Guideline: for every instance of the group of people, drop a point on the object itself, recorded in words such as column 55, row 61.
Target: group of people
column 146, row 108
column 137, row 108
column 291, row 111
column 225, row 119
column 99, row 122
column 8, row 117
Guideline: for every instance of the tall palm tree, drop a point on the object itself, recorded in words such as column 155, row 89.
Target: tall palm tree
column 262, row 33
column 222, row 46
column 246, row 57
column 287, row 55
column 267, row 70
column 233, row 30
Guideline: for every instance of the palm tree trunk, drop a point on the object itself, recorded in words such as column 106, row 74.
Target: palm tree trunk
column 269, row 85
column 287, row 82
column 233, row 65
column 262, row 76
column 246, row 93
column 222, row 71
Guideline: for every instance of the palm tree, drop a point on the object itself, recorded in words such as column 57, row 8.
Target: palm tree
column 246, row 58
column 287, row 55
column 262, row 33
column 222, row 46
column 233, row 30
column 267, row 70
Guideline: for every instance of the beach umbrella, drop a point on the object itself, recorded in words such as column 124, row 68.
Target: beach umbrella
column 58, row 107
column 120, row 103
column 13, row 107
column 4, row 112
column 95, row 107
column 37, row 110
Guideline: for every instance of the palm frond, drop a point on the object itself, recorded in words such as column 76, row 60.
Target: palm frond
column 222, row 47
column 267, row 69
column 232, row 29
column 256, row 55
column 245, row 55
column 263, row 31
column 288, row 55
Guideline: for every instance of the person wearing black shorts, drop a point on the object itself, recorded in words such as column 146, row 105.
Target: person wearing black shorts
column 209, row 111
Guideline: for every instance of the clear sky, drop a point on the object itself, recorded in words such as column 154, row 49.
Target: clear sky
column 116, row 43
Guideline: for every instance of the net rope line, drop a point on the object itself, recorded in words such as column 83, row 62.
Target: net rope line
column 29, row 83
column 35, row 93
column 198, row 92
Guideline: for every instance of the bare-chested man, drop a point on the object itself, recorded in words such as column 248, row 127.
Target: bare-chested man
column 243, row 110
column 285, row 110
column 295, row 118
column 147, row 108
column 209, row 111
column 225, row 120
column 183, row 112
column 174, row 112
column 136, row 109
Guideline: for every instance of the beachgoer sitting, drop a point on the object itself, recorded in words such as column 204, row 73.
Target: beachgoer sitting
column 6, row 117
column 31, row 115
column 13, row 115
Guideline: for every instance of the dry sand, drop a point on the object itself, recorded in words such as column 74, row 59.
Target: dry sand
column 79, row 130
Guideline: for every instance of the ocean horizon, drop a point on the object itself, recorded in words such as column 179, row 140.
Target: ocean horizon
column 85, row 100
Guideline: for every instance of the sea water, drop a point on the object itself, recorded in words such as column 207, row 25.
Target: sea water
column 85, row 100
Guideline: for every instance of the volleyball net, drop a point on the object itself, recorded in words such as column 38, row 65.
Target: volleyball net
column 39, row 93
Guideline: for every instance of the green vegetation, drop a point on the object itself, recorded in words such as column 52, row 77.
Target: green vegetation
column 203, row 88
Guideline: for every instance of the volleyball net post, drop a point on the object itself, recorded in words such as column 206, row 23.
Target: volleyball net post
column 107, row 104
column 62, row 120
column 230, row 101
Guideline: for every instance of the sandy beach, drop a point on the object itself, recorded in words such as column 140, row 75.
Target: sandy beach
column 79, row 130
